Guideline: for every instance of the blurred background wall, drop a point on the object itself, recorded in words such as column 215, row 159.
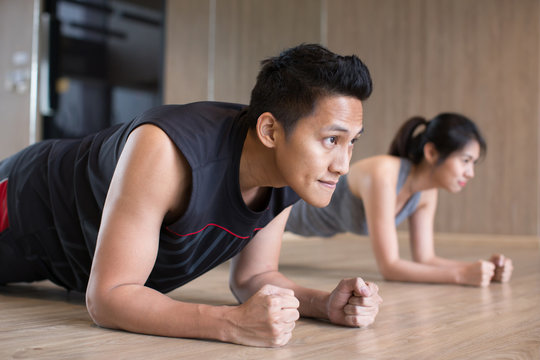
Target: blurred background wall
column 477, row 57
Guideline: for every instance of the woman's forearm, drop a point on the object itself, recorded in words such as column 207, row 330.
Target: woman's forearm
column 404, row 270
column 442, row 262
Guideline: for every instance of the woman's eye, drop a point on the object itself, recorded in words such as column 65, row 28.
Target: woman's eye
column 354, row 140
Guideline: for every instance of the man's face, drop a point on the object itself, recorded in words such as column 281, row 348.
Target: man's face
column 319, row 149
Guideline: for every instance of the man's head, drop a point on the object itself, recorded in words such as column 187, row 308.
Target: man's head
column 289, row 85
column 307, row 109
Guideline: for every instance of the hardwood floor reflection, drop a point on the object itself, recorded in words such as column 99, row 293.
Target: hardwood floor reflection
column 416, row 321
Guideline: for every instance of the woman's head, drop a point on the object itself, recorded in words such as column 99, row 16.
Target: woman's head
column 448, row 132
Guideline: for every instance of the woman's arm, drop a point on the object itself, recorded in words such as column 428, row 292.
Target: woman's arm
column 352, row 303
column 477, row 273
column 421, row 233
column 377, row 189
column 469, row 273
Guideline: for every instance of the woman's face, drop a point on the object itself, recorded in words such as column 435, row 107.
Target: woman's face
column 458, row 168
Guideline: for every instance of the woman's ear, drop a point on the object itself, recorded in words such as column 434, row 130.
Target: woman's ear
column 430, row 153
column 267, row 127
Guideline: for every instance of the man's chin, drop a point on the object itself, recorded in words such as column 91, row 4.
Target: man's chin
column 320, row 202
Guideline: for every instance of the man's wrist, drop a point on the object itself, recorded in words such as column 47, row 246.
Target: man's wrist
column 217, row 322
column 317, row 306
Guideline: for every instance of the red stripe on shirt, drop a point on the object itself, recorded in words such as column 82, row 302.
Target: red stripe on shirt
column 216, row 225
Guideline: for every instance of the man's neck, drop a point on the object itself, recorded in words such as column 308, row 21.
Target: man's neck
column 257, row 170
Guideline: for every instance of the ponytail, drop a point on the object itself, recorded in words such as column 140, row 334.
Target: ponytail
column 406, row 144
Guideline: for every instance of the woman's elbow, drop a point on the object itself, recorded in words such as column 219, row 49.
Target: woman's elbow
column 424, row 260
column 389, row 272
column 388, row 276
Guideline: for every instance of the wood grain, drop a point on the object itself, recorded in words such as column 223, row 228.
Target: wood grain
column 480, row 58
column 249, row 31
column 416, row 321
column 186, row 51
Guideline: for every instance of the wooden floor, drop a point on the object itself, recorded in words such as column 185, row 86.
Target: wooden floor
column 416, row 321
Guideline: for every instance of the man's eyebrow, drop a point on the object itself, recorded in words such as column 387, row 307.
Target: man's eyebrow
column 342, row 129
column 336, row 128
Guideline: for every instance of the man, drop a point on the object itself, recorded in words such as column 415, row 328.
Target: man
column 137, row 210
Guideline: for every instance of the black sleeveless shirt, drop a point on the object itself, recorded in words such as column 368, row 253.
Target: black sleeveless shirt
column 67, row 185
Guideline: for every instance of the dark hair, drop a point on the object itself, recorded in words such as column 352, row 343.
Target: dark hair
column 289, row 85
column 448, row 132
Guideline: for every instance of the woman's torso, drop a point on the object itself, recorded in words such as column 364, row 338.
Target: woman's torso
column 346, row 212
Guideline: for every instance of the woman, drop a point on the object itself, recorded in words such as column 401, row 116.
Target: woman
column 381, row 191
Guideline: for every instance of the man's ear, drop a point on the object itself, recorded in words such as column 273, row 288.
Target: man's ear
column 267, row 127
column 430, row 153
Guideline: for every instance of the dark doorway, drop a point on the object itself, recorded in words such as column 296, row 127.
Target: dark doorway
column 105, row 63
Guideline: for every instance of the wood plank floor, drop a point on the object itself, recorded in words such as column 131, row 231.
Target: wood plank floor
column 416, row 321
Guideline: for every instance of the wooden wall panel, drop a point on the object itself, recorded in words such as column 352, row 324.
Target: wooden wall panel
column 186, row 51
column 16, row 19
column 248, row 31
column 476, row 57
column 214, row 48
column 387, row 36
column 494, row 76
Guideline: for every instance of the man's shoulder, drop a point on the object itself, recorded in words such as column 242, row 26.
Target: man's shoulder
column 199, row 107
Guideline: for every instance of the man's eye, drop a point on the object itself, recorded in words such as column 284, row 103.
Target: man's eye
column 332, row 140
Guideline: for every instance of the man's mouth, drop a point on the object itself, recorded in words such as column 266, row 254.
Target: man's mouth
column 328, row 183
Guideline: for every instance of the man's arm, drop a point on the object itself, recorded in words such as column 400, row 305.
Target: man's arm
column 152, row 182
column 352, row 303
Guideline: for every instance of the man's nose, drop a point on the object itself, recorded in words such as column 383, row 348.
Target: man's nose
column 341, row 162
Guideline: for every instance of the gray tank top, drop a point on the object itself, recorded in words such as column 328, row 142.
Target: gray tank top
column 345, row 213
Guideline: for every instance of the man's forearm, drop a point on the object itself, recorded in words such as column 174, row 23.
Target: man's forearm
column 140, row 309
column 313, row 303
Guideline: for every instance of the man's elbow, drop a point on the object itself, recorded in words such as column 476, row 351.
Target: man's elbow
column 234, row 291
column 239, row 289
column 96, row 305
